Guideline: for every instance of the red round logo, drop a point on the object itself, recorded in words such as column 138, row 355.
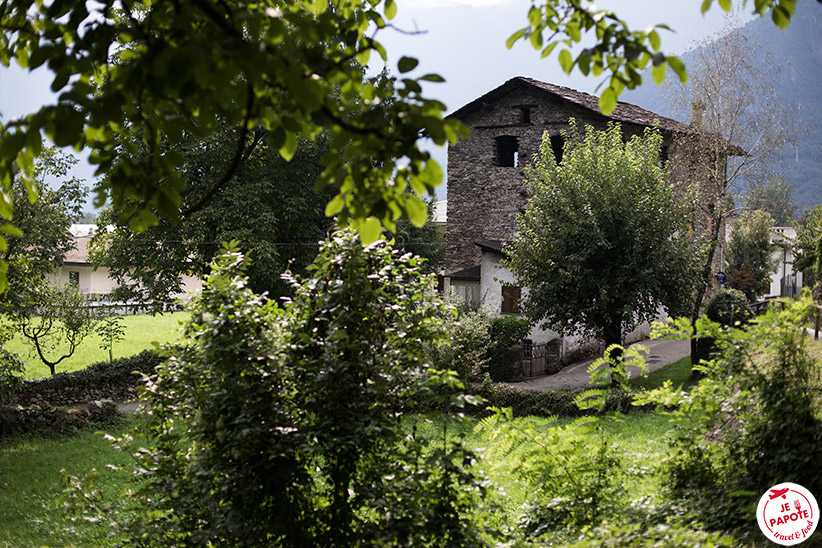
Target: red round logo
column 787, row 514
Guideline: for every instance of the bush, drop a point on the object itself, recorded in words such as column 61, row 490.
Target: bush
column 464, row 349
column 752, row 422
column 284, row 426
column 508, row 331
column 729, row 307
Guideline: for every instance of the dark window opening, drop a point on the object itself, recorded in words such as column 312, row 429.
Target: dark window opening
column 663, row 155
column 525, row 115
column 74, row 277
column 557, row 144
column 507, row 151
column 510, row 299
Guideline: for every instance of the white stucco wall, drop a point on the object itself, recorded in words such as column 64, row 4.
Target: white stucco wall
column 784, row 258
column 493, row 276
column 98, row 281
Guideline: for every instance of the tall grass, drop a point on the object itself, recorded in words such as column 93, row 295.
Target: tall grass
column 141, row 332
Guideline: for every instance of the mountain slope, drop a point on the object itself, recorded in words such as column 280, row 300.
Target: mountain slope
column 798, row 49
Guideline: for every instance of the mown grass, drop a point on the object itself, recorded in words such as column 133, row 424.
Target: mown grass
column 31, row 513
column 31, row 510
column 679, row 373
column 141, row 332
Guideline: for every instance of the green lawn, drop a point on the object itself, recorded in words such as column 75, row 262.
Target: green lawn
column 142, row 331
column 31, row 514
column 679, row 373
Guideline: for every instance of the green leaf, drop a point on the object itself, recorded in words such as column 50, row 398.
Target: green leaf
column 390, row 9
column 607, row 101
column 289, row 147
column 417, row 211
column 334, row 206
column 432, row 78
column 369, row 230
column 11, row 230
column 725, row 5
column 514, row 37
column 706, row 5
column 548, row 49
column 566, row 61
column 407, row 64
column 679, row 67
column 781, row 17
column 659, row 72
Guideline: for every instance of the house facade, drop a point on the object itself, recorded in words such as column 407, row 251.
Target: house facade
column 486, row 173
column 95, row 283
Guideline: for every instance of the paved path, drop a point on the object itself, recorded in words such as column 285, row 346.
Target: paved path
column 660, row 354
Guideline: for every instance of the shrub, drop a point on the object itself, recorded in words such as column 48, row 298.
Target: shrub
column 284, row 426
column 464, row 347
column 752, row 422
column 729, row 307
column 508, row 331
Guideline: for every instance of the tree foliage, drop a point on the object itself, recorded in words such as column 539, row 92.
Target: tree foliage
column 750, row 254
column 270, row 206
column 603, row 241
column 288, row 426
column 775, row 198
column 164, row 71
column 808, row 236
column 617, row 51
column 54, row 320
column 43, row 237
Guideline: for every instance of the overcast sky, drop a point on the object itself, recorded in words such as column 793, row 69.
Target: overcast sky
column 463, row 41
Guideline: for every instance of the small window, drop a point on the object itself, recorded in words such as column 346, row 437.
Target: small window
column 524, row 115
column 74, row 277
column 663, row 155
column 507, row 151
column 510, row 299
column 557, row 144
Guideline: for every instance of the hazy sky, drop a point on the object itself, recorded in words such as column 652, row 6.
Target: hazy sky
column 463, row 41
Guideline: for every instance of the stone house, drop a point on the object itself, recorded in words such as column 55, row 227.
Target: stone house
column 485, row 174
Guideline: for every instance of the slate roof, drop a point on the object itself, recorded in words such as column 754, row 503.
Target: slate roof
column 470, row 273
column 624, row 112
column 492, row 245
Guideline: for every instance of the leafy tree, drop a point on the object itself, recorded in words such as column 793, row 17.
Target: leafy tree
column 296, row 432
column 603, row 241
column 611, row 46
column 270, row 206
column 43, row 237
column 736, row 136
column 750, row 254
column 283, row 70
column 808, row 234
column 288, row 69
column 110, row 330
column 774, row 197
column 54, row 321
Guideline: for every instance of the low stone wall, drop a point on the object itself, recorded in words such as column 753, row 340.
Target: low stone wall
column 106, row 380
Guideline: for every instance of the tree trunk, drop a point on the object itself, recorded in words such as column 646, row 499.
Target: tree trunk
column 612, row 334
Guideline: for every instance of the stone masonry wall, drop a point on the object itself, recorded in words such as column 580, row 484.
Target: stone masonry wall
column 483, row 198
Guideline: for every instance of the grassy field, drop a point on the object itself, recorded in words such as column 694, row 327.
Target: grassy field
column 31, row 513
column 141, row 332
